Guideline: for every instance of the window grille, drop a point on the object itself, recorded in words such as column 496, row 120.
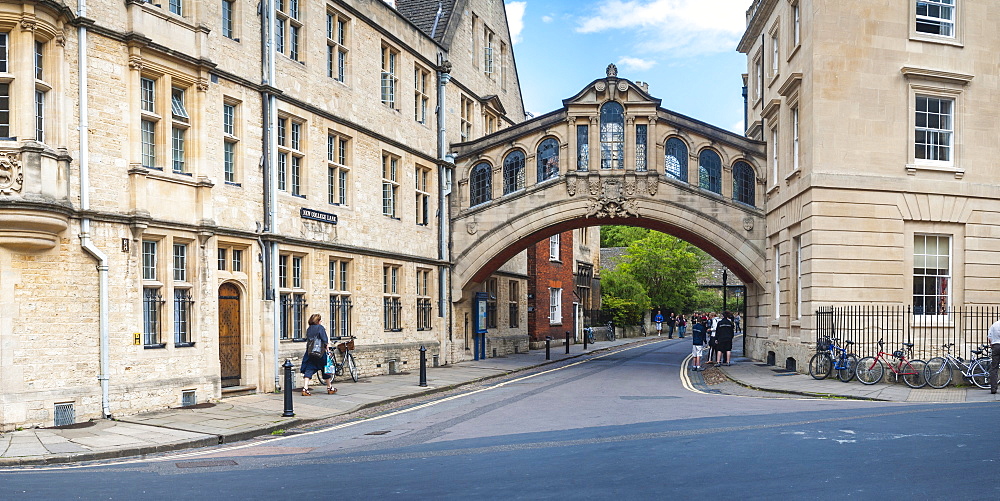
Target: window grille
column 188, row 398
column 513, row 172
column 64, row 414
column 480, row 185
column 182, row 317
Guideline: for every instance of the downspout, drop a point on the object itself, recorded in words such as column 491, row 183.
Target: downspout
column 85, row 242
column 444, row 189
column 270, row 247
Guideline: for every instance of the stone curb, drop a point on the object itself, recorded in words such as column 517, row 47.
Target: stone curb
column 802, row 393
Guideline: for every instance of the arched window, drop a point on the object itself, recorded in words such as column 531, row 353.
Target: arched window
column 676, row 159
column 710, row 171
column 612, row 135
column 513, row 172
column 480, row 185
column 743, row 183
column 548, row 159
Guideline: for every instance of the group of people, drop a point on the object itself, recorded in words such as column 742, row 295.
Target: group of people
column 708, row 331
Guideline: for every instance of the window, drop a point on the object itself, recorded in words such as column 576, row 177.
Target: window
column 182, row 317
column 291, row 297
column 391, row 305
column 237, row 260
column 153, row 124
column 288, row 24
column 422, row 176
column 491, row 303
column 796, row 25
column 554, row 248
column 582, row 147
column 513, row 172
column 4, row 110
column 489, row 39
column 675, row 159
column 420, row 78
column 149, row 260
column 151, row 305
column 777, row 282
column 612, row 135
column 931, row 274
column 177, row 149
column 41, row 92
column 555, row 306
column 222, row 260
column 775, row 53
column 291, row 156
column 336, row 46
column 797, row 290
column 176, row 7
column 230, row 257
column 4, row 55
column 640, row 148
column 795, row 138
column 743, row 183
column 180, row 262
column 584, row 277
column 228, row 19
column 490, row 122
column 337, row 169
column 390, row 80
column 934, row 134
column 758, row 66
column 423, row 300
column 513, row 306
column 229, row 142
column 480, row 185
column 936, row 17
column 466, row 119
column 710, row 171
column 390, row 184
column 340, row 298
column 773, row 147
column 548, row 159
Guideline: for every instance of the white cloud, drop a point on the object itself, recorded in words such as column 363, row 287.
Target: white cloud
column 634, row 63
column 515, row 19
column 547, row 19
column 693, row 26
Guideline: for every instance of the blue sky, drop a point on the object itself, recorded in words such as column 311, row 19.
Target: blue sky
column 684, row 49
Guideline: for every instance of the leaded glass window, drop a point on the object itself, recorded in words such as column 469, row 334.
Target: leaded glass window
column 513, row 172
column 612, row 135
column 548, row 159
column 480, row 185
column 710, row 171
column 640, row 148
column 743, row 183
column 582, row 147
column 676, row 159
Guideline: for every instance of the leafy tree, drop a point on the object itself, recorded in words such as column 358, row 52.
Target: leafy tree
column 668, row 269
column 624, row 296
column 621, row 236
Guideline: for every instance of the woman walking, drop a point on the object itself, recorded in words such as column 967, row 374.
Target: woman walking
column 314, row 361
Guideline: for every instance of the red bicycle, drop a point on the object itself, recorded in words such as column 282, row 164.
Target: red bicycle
column 871, row 369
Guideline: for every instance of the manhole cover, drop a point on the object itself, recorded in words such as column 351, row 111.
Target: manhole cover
column 206, row 464
column 380, row 432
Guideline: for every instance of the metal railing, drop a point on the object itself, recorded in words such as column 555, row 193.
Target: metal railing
column 865, row 325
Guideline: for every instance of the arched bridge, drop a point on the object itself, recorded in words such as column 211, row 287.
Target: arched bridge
column 611, row 155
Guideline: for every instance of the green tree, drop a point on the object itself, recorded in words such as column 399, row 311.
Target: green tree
column 668, row 269
column 624, row 296
column 621, row 236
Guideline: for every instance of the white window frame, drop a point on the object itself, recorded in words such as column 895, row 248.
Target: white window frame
column 949, row 276
column 554, row 247
column 777, row 281
column 555, row 306
column 943, row 22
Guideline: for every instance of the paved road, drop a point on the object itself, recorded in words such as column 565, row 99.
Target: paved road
column 619, row 424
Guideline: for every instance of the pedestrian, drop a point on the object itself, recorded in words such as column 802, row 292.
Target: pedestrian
column 994, row 338
column 671, row 321
column 658, row 318
column 311, row 362
column 698, row 329
column 738, row 323
column 710, row 332
column 724, row 332
column 682, row 325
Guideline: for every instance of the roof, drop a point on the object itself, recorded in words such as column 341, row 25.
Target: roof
column 424, row 13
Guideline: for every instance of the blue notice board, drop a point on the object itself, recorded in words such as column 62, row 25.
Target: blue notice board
column 480, row 309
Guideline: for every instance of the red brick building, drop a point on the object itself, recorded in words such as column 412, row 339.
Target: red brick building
column 562, row 283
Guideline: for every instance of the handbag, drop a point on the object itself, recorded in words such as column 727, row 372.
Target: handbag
column 314, row 349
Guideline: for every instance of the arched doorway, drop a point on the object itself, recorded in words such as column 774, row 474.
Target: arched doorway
column 230, row 339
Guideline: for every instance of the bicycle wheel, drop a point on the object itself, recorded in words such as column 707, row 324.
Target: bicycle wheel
column 937, row 373
column 870, row 370
column 820, row 366
column 849, row 365
column 913, row 373
column 980, row 374
column 351, row 366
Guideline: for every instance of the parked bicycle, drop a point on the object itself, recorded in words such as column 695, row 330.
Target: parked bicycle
column 610, row 333
column 588, row 333
column 938, row 371
column 346, row 358
column 830, row 357
column 871, row 369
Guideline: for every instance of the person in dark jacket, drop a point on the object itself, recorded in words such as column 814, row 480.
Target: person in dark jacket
column 698, row 329
column 311, row 364
column 725, row 330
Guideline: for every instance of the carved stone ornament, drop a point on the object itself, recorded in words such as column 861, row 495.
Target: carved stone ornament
column 748, row 223
column 652, row 183
column 472, row 227
column 600, row 86
column 202, row 85
column 622, row 86
column 61, row 39
column 611, row 208
column 571, row 182
column 612, row 70
column 630, row 186
column 594, row 185
column 11, row 173
column 28, row 22
column 135, row 62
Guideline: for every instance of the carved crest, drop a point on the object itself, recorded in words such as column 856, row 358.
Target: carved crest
column 571, row 182
column 472, row 227
column 11, row 173
column 652, row 183
column 611, row 208
column 630, row 185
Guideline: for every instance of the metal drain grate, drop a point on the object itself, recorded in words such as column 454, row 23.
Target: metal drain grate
column 64, row 415
column 380, row 432
column 188, row 398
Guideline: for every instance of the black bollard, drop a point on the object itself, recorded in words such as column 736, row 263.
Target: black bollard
column 288, row 388
column 423, row 366
column 548, row 347
column 567, row 342
column 585, row 334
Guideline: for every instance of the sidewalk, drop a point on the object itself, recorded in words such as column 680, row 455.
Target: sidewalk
column 239, row 418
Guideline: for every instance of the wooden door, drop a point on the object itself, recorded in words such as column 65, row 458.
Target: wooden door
column 230, row 340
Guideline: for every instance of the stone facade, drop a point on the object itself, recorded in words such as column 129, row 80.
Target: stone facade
column 878, row 118
column 220, row 193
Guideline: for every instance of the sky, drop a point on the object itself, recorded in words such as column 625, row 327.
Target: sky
column 684, row 49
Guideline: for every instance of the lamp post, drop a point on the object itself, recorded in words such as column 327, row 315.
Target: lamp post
column 725, row 287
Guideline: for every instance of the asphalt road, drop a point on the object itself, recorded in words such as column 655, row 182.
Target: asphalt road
column 619, row 425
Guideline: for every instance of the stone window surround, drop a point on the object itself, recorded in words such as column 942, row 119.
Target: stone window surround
column 957, row 39
column 166, row 285
column 938, row 84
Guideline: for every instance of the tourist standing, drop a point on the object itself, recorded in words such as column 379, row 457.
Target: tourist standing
column 698, row 329
column 671, row 322
column 682, row 325
column 724, row 333
column 658, row 318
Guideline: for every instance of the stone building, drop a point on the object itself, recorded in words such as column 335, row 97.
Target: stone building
column 183, row 183
column 879, row 119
